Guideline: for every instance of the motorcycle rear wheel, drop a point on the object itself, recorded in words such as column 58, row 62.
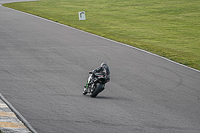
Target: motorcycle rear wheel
column 98, row 89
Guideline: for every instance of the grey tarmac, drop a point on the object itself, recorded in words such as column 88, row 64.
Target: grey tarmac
column 44, row 66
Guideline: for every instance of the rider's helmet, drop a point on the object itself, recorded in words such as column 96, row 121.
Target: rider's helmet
column 106, row 70
column 105, row 66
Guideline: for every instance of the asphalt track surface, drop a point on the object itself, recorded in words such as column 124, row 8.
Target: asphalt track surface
column 44, row 66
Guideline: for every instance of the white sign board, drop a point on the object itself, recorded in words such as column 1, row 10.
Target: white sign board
column 81, row 15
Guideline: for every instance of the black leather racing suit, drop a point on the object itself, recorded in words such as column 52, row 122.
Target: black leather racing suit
column 103, row 69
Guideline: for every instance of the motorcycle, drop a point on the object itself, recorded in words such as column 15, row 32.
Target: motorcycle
column 97, row 86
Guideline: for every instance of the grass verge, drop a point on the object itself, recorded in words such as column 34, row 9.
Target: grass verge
column 169, row 28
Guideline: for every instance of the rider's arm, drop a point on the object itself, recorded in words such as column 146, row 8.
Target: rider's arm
column 97, row 70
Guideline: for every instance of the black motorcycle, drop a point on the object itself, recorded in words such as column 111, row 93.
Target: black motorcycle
column 97, row 86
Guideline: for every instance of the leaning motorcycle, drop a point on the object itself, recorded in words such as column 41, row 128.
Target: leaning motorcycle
column 98, row 85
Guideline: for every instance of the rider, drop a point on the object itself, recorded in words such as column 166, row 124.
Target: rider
column 103, row 69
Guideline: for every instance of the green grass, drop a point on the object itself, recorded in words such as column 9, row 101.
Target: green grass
column 169, row 28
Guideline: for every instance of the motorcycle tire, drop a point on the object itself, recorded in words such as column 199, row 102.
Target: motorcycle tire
column 98, row 89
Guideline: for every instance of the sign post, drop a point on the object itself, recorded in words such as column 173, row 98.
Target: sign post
column 82, row 15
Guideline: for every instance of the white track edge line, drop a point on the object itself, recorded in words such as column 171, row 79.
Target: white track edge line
column 106, row 39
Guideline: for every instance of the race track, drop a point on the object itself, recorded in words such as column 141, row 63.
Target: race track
column 44, row 66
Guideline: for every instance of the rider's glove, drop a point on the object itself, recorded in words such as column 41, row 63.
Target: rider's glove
column 90, row 72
